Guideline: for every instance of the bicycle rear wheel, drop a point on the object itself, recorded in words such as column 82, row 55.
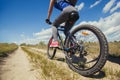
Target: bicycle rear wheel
column 90, row 50
column 50, row 50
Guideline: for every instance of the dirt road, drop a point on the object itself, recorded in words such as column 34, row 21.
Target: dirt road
column 16, row 67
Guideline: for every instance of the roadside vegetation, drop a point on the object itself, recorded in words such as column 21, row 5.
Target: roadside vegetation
column 6, row 48
column 58, row 70
column 40, row 45
column 50, row 69
column 111, row 72
column 114, row 47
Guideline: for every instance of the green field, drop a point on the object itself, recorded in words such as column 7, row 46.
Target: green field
column 6, row 48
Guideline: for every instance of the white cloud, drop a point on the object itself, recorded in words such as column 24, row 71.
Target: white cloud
column 79, row 7
column 115, row 8
column 43, row 32
column 109, row 25
column 43, row 35
column 96, row 3
column 108, row 6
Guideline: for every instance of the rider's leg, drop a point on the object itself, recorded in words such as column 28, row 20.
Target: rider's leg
column 60, row 19
column 73, row 17
column 68, row 27
column 63, row 17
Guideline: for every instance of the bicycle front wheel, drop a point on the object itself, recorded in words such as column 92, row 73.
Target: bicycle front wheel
column 50, row 50
column 90, row 50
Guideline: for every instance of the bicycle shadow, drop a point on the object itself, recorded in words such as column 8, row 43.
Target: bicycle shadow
column 114, row 59
column 59, row 59
column 98, row 75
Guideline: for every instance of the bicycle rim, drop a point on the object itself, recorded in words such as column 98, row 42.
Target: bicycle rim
column 51, row 51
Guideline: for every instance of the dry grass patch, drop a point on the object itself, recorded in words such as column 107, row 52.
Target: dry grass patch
column 114, row 49
column 6, row 48
column 57, row 70
column 49, row 69
column 112, row 71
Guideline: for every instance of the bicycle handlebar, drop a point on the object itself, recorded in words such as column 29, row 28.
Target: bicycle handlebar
column 48, row 21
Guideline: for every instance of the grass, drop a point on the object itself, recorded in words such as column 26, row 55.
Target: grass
column 6, row 48
column 112, row 73
column 50, row 70
column 56, row 70
column 114, row 49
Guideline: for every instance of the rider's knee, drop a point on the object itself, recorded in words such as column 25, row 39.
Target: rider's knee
column 74, row 16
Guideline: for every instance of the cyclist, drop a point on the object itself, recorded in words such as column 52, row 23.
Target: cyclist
column 69, row 15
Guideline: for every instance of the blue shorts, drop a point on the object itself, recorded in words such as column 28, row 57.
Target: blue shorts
column 61, row 5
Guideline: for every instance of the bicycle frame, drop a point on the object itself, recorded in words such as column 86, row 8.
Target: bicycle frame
column 62, row 28
column 60, row 39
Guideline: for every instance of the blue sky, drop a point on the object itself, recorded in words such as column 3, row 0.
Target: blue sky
column 24, row 20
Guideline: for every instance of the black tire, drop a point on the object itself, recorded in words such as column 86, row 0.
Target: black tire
column 51, row 51
column 102, row 58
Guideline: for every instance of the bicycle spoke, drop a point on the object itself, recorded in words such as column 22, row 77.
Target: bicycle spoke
column 92, row 61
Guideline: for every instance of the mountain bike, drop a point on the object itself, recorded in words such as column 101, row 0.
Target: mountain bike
column 85, row 49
